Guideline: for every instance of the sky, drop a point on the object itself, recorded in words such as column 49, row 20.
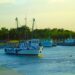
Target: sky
column 47, row 13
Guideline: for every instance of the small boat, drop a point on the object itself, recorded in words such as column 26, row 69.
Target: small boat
column 30, row 47
column 48, row 43
column 68, row 42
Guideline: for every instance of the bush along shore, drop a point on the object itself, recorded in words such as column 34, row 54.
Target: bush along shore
column 25, row 33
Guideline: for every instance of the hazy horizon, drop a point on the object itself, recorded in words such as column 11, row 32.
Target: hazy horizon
column 48, row 13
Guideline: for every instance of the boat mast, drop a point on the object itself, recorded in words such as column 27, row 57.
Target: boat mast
column 33, row 26
column 25, row 21
column 16, row 19
column 17, row 23
column 25, row 36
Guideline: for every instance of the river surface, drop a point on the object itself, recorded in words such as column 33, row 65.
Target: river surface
column 59, row 60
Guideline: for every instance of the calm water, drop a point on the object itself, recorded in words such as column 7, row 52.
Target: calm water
column 53, row 61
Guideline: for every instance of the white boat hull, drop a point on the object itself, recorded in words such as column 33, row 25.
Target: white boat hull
column 22, row 51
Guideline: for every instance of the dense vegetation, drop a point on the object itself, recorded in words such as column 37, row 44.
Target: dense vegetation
column 24, row 33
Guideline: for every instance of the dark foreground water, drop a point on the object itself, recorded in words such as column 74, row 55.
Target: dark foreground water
column 58, row 60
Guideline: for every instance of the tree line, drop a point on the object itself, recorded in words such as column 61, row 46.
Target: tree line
column 25, row 33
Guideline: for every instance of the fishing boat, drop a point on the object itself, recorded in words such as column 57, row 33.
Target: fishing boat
column 29, row 47
column 68, row 42
column 48, row 43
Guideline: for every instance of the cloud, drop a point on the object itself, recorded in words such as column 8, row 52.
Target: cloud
column 6, row 1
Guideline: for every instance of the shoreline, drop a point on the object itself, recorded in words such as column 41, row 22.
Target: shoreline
column 6, row 71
